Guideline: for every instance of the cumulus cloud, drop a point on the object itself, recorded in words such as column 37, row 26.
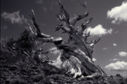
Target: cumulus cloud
column 122, row 54
column 118, row 13
column 98, row 30
column 14, row 17
column 114, row 44
column 118, row 65
column 94, row 59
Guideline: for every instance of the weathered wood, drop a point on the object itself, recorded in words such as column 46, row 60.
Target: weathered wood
column 82, row 49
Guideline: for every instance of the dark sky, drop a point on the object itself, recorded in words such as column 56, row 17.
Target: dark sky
column 110, row 51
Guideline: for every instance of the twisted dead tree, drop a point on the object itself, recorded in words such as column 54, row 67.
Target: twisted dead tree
column 80, row 48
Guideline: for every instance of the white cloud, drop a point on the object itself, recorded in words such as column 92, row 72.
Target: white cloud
column 94, row 59
column 118, row 13
column 14, row 17
column 122, row 53
column 118, row 65
column 114, row 44
column 98, row 30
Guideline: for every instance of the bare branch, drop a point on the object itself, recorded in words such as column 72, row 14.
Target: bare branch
column 84, row 25
column 93, row 42
column 96, row 41
column 35, row 23
column 36, row 26
column 86, row 36
column 64, row 15
column 75, row 19
column 84, row 5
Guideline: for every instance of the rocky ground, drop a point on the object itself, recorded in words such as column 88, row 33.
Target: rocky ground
column 19, row 68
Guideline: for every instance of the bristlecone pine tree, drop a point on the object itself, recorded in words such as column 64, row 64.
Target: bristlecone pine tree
column 24, row 61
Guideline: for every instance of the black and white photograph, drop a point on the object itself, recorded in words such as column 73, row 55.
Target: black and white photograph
column 63, row 41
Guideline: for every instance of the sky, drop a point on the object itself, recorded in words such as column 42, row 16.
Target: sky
column 109, row 23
